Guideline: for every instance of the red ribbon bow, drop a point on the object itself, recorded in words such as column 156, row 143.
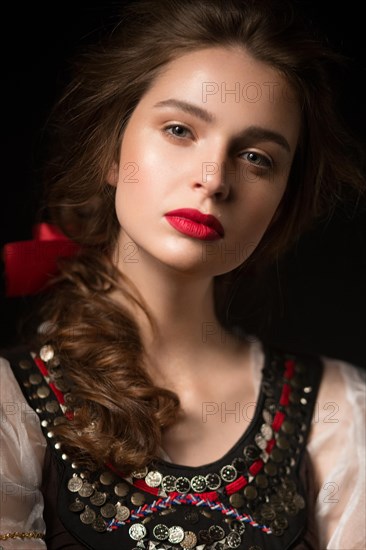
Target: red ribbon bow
column 29, row 265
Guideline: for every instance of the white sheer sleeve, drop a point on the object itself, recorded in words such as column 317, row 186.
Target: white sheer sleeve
column 337, row 448
column 21, row 459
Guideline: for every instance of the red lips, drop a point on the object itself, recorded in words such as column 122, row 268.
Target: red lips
column 193, row 223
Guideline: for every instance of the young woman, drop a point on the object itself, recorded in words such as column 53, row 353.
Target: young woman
column 190, row 149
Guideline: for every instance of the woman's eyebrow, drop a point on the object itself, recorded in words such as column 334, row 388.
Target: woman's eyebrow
column 255, row 133
column 189, row 108
column 258, row 133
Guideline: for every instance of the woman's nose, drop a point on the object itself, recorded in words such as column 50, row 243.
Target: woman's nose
column 213, row 175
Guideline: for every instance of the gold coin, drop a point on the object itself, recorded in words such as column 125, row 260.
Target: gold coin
column 86, row 490
column 43, row 392
column 106, row 478
column 236, row 500
column 138, row 499
column 121, row 489
column 99, row 524
column 250, row 492
column 98, row 498
column 35, row 379
column 52, row 406
column 140, row 474
column 46, row 353
column 88, row 516
column 74, row 484
column 122, row 512
column 108, row 510
column 189, row 541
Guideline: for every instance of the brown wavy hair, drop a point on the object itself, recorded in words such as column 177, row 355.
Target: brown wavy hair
column 119, row 413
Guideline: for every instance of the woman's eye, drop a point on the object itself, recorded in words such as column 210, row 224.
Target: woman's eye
column 257, row 159
column 178, row 131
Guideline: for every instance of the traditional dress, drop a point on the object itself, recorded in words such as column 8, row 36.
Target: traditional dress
column 260, row 495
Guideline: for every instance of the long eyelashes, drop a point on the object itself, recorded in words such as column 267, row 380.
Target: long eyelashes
column 177, row 131
column 181, row 133
column 257, row 159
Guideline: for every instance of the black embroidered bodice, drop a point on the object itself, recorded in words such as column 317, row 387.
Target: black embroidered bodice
column 253, row 498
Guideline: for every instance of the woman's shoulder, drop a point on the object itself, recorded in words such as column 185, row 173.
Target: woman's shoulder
column 341, row 401
column 337, row 449
column 9, row 386
column 23, row 448
column 343, row 383
column 15, row 373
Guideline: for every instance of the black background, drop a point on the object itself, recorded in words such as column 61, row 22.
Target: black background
column 314, row 299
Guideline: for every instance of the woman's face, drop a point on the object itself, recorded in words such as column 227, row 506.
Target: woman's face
column 214, row 135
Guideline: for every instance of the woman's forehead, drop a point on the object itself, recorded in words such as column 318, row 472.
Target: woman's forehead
column 226, row 86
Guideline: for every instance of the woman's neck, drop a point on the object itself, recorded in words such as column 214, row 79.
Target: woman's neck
column 185, row 327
